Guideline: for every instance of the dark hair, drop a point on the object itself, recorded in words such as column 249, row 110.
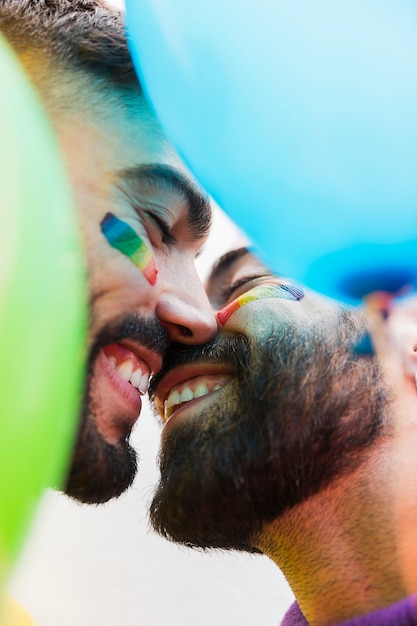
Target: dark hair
column 86, row 35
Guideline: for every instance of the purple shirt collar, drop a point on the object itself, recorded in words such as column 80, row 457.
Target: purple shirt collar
column 403, row 613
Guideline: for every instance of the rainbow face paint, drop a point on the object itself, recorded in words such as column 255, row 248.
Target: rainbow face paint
column 122, row 237
column 285, row 291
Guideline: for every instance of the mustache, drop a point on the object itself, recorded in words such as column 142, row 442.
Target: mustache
column 145, row 330
column 228, row 350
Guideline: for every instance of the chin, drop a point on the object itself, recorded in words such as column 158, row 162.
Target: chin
column 99, row 471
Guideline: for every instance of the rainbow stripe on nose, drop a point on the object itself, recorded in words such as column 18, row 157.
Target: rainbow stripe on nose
column 284, row 291
column 122, row 237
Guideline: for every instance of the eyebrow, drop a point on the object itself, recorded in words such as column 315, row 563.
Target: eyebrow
column 156, row 177
column 226, row 262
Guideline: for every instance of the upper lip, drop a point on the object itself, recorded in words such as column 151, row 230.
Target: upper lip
column 152, row 359
column 182, row 374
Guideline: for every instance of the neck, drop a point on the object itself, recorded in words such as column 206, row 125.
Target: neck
column 338, row 549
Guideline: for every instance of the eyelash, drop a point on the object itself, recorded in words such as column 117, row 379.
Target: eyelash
column 228, row 291
column 167, row 237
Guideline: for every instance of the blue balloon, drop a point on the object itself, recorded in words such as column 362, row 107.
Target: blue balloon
column 300, row 119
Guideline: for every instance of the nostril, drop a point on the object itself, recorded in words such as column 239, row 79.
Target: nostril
column 184, row 331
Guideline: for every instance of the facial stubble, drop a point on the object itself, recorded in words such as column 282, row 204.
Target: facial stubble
column 302, row 410
column 99, row 470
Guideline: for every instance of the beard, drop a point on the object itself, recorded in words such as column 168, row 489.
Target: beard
column 99, row 470
column 302, row 411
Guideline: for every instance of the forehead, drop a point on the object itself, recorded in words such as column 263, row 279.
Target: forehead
column 118, row 126
column 115, row 147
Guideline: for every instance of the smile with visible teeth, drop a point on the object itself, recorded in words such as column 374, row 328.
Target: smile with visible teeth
column 132, row 374
column 183, row 394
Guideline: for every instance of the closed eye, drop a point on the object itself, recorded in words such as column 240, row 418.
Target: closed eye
column 240, row 286
column 167, row 236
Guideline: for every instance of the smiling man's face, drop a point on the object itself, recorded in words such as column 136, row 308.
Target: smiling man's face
column 143, row 223
column 264, row 416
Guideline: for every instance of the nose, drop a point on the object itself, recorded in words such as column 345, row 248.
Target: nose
column 184, row 309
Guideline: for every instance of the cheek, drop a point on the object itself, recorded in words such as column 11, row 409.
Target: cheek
column 285, row 291
column 257, row 320
column 123, row 238
column 404, row 334
column 226, row 313
column 116, row 284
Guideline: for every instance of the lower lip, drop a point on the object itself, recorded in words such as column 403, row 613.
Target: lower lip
column 183, row 409
column 129, row 395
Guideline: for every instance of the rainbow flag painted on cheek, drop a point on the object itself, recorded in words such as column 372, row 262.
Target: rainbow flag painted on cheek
column 284, row 291
column 122, row 237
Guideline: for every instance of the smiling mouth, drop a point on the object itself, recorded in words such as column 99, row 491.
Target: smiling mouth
column 192, row 389
column 129, row 366
column 132, row 374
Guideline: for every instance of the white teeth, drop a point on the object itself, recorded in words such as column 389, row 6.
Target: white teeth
column 140, row 381
column 136, row 378
column 186, row 395
column 125, row 370
column 173, row 399
column 200, row 390
column 144, row 383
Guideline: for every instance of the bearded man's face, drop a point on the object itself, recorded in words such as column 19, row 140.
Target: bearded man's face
column 266, row 415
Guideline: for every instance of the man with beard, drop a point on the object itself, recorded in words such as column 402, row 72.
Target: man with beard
column 143, row 221
column 283, row 437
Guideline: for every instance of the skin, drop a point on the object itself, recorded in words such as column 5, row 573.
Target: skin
column 395, row 342
column 254, row 318
column 100, row 142
column 345, row 548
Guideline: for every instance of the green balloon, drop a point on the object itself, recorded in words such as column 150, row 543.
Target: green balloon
column 42, row 308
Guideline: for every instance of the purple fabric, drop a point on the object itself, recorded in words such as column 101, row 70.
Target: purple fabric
column 403, row 613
